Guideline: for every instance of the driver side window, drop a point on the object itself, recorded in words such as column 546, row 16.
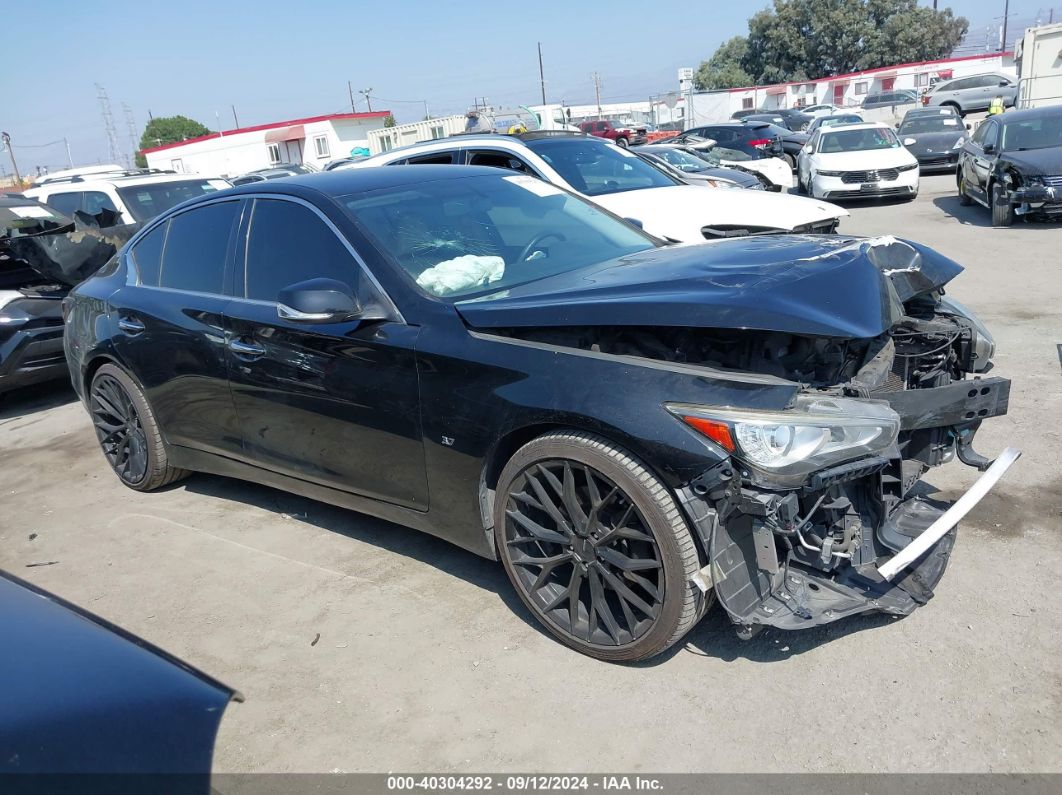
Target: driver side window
column 289, row 243
column 497, row 159
column 991, row 135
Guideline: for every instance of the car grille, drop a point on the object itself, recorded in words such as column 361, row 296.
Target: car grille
column 1054, row 181
column 899, row 190
column 937, row 160
column 887, row 174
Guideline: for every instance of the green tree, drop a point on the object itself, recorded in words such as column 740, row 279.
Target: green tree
column 389, row 120
column 724, row 69
column 808, row 39
column 168, row 130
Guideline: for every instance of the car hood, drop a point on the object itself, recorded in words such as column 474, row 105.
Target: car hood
column 1037, row 161
column 680, row 212
column 864, row 160
column 817, row 285
column 68, row 255
column 934, row 141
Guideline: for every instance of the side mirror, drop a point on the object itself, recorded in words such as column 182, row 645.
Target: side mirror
column 318, row 301
column 969, row 127
column 635, row 222
column 1004, row 83
column 807, row 149
column 988, row 148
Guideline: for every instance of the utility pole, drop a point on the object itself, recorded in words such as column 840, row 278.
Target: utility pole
column 367, row 93
column 11, row 151
column 1006, row 13
column 130, row 125
column 541, row 74
column 350, row 91
column 69, row 157
column 597, row 91
column 234, row 116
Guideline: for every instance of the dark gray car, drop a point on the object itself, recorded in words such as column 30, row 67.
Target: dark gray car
column 934, row 140
column 694, row 168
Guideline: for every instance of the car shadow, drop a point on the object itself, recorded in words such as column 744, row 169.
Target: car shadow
column 398, row 539
column 976, row 215
column 37, row 397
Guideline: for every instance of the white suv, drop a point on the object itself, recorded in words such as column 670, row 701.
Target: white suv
column 625, row 185
column 136, row 196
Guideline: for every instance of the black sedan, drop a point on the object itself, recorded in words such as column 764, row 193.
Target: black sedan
column 789, row 118
column 633, row 429
column 696, row 167
column 934, row 139
column 1013, row 165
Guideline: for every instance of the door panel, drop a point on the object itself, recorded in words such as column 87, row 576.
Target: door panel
column 337, row 404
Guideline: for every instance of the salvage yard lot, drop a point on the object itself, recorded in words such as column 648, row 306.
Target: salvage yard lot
column 363, row 646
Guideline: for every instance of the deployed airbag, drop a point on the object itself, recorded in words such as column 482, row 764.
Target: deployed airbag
column 462, row 273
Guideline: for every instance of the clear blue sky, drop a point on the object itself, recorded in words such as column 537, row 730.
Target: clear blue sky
column 280, row 60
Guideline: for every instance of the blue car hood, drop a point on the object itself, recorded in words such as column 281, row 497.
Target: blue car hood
column 816, row 285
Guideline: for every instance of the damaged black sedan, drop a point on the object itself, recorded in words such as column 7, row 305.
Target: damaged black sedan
column 633, row 429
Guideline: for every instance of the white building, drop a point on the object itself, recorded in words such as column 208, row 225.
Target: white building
column 388, row 138
column 313, row 141
column 846, row 90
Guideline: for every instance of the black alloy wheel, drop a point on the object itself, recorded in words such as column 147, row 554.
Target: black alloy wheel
column 605, row 570
column 119, row 430
column 127, row 431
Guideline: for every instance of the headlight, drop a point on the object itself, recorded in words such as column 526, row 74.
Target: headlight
column 786, row 446
column 958, row 144
column 1034, row 180
column 984, row 343
column 909, row 141
column 822, row 173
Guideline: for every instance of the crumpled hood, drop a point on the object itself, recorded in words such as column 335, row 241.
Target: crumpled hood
column 1037, row 161
column 818, row 285
column 680, row 212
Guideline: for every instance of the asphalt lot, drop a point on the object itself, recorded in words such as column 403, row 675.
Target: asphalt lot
column 424, row 660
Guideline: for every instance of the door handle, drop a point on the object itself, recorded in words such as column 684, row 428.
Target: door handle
column 130, row 326
column 241, row 348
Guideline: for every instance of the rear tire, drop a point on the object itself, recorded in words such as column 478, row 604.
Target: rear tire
column 128, row 432
column 1002, row 209
column 563, row 499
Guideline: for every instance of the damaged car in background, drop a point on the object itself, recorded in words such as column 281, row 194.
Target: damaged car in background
column 634, row 430
column 42, row 254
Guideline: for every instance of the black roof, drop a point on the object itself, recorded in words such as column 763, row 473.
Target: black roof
column 359, row 180
column 1029, row 113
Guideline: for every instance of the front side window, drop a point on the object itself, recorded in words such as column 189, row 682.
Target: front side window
column 320, row 145
column 97, row 201
column 500, row 160
column 991, row 135
column 148, row 201
column 197, row 247
column 434, row 159
column 858, row 140
column 475, row 235
column 289, row 243
column 597, row 169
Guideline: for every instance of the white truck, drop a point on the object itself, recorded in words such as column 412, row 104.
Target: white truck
column 1038, row 57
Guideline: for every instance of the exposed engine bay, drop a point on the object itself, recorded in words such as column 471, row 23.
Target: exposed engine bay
column 791, row 548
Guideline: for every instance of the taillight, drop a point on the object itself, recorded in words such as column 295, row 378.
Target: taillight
column 760, row 143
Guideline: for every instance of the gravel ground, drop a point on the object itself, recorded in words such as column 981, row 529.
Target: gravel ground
column 427, row 662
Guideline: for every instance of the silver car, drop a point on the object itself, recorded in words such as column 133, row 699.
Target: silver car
column 973, row 93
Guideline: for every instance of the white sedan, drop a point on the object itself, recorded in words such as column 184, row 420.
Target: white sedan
column 857, row 161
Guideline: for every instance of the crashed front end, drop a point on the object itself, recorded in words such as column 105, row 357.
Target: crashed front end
column 819, row 512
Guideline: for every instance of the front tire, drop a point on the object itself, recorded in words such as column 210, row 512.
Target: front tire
column 964, row 198
column 596, row 547
column 622, row 143
column 1002, row 209
column 128, row 432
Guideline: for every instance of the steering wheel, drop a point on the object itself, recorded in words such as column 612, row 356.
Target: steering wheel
column 535, row 242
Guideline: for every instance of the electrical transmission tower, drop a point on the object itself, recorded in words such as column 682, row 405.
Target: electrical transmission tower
column 130, row 125
column 108, row 123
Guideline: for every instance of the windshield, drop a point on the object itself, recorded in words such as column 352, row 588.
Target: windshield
column 595, row 169
column 683, row 161
column 476, row 235
column 147, row 201
column 19, row 220
column 836, row 121
column 930, row 124
column 858, row 140
column 1042, row 132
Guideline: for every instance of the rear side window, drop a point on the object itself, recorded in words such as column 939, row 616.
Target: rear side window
column 96, row 202
column 196, row 248
column 289, row 243
column 147, row 255
column 66, row 203
column 439, row 158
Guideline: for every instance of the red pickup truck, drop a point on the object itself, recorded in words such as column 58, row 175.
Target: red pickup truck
column 621, row 136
